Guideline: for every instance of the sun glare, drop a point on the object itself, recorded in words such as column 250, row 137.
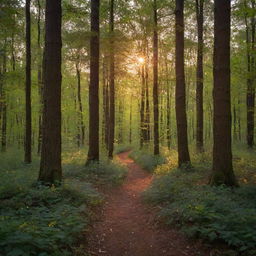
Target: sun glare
column 141, row 60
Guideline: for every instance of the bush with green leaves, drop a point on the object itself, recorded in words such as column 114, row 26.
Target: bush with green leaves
column 211, row 213
column 46, row 221
column 121, row 148
column 147, row 160
column 38, row 220
column 100, row 173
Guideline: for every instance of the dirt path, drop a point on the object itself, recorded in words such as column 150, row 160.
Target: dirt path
column 128, row 227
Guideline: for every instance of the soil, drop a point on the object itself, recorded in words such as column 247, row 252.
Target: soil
column 128, row 227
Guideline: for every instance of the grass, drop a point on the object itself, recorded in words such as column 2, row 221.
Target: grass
column 37, row 220
column 214, row 214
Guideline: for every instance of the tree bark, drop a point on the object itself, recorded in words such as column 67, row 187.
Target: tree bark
column 234, row 123
column 120, row 122
column 180, row 97
column 80, row 106
column 130, row 119
column 107, row 114
column 3, row 101
column 200, row 77
column 13, row 53
column 105, row 102
column 111, row 84
column 250, row 96
column 155, row 81
column 222, row 170
column 50, row 166
column 4, row 121
column 147, row 114
column 239, row 119
column 28, row 127
column 168, row 108
column 142, row 108
column 39, row 78
column 93, row 153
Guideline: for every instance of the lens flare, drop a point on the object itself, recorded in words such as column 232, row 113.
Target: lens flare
column 141, row 60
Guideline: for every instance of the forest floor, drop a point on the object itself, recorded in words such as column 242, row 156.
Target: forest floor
column 128, row 227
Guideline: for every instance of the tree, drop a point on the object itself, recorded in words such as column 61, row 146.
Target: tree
column 50, row 166
column 39, row 76
column 222, row 169
column 147, row 114
column 28, row 86
column 105, row 84
column 155, row 81
column 180, row 97
column 93, row 153
column 142, row 107
column 3, row 103
column 199, row 76
column 81, row 127
column 111, row 84
column 250, row 24
column 168, row 107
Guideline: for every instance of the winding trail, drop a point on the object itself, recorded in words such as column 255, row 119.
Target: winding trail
column 129, row 228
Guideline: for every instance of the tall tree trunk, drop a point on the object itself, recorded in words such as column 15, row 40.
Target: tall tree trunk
column 180, row 97
column 250, row 96
column 168, row 108
column 4, row 120
column 105, row 103
column 234, row 123
column 222, row 170
column 120, row 123
column 239, row 119
column 155, row 82
column 107, row 114
column 200, row 77
column 78, row 135
column 39, row 78
column 13, row 53
column 93, row 153
column 142, row 108
column 3, row 101
column 130, row 130
column 50, row 166
column 111, row 84
column 28, row 128
column 80, row 106
column 147, row 114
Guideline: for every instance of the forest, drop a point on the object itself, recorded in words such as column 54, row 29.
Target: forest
column 127, row 127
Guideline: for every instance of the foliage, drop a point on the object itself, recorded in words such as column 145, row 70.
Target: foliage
column 122, row 148
column 211, row 213
column 146, row 160
column 38, row 220
column 105, row 172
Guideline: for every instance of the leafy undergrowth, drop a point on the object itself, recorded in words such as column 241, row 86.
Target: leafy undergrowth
column 215, row 214
column 37, row 220
column 120, row 148
column 103, row 173
column 147, row 160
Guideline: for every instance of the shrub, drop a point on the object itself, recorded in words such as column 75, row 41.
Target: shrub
column 102, row 173
column 120, row 148
column 38, row 220
column 211, row 213
column 146, row 160
column 45, row 220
